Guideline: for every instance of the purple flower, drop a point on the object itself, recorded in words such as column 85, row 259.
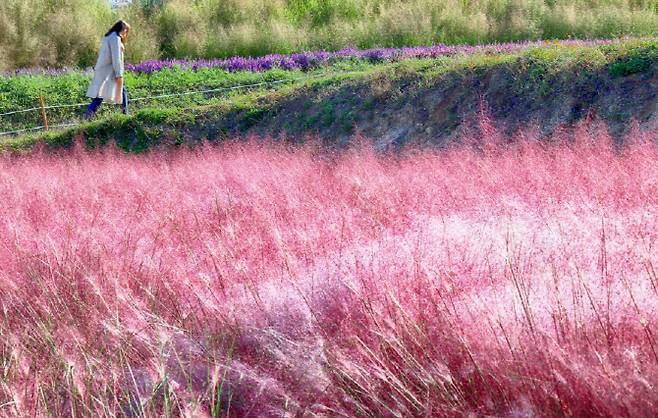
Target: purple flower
column 308, row 60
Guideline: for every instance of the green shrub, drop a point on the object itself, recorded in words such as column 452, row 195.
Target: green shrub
column 631, row 65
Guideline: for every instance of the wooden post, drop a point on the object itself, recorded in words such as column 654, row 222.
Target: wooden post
column 43, row 113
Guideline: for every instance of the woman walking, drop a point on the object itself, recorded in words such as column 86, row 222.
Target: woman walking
column 107, row 83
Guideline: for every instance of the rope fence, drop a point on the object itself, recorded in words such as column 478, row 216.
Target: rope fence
column 47, row 126
column 38, row 128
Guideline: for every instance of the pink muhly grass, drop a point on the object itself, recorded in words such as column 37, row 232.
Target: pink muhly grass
column 255, row 280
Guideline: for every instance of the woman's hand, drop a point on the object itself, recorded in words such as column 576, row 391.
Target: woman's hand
column 120, row 89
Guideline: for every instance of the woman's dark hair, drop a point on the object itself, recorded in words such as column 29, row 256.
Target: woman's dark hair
column 118, row 27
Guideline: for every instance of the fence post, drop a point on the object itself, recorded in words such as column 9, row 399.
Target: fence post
column 43, row 113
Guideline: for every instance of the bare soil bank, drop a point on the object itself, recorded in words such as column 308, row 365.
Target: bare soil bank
column 436, row 110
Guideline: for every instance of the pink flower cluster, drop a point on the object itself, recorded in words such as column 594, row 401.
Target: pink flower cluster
column 257, row 280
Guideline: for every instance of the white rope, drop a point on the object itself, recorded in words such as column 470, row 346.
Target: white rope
column 20, row 111
column 36, row 128
column 45, row 107
column 64, row 105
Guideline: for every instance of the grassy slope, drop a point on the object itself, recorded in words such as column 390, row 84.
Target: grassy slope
column 416, row 100
column 22, row 92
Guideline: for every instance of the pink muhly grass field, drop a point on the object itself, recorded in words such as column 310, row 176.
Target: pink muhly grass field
column 263, row 280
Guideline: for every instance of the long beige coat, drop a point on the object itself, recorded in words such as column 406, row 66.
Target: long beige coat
column 109, row 66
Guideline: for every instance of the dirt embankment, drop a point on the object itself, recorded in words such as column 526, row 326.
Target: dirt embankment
column 435, row 110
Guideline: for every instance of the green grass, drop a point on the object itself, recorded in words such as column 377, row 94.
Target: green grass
column 22, row 92
column 55, row 33
column 534, row 71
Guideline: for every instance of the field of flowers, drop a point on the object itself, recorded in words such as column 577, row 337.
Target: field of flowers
column 255, row 279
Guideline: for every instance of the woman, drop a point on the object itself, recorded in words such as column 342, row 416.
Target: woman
column 108, row 72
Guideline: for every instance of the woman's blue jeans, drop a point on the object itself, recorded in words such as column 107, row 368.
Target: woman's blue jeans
column 95, row 104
